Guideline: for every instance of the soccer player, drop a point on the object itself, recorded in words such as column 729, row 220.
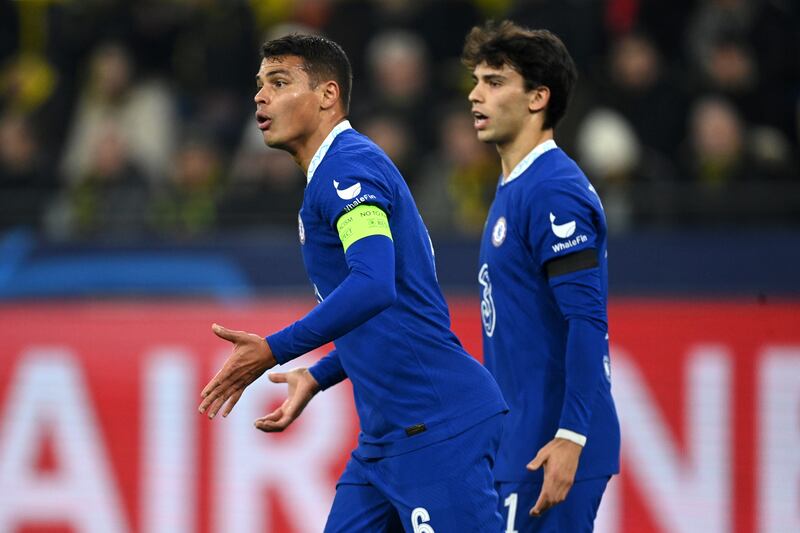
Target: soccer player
column 430, row 414
column 543, row 286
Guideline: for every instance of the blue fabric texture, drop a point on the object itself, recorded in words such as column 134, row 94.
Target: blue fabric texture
column 447, row 486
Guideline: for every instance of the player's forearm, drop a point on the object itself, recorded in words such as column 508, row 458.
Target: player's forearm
column 583, row 375
column 580, row 300
column 366, row 291
column 328, row 371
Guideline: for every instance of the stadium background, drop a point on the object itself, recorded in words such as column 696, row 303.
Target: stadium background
column 138, row 205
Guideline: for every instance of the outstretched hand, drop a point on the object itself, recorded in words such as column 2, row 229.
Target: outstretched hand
column 251, row 357
column 302, row 387
column 559, row 457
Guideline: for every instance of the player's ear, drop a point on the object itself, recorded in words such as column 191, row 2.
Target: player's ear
column 539, row 98
column 329, row 94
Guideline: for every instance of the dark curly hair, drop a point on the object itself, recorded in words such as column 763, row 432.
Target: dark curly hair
column 323, row 59
column 538, row 55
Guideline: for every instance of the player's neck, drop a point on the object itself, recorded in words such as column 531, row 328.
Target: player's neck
column 305, row 152
column 512, row 152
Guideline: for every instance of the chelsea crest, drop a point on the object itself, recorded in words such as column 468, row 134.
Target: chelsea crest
column 499, row 231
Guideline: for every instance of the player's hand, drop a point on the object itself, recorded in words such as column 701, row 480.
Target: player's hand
column 302, row 387
column 251, row 357
column 559, row 458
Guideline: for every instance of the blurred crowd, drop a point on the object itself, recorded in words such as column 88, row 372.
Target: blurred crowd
column 131, row 120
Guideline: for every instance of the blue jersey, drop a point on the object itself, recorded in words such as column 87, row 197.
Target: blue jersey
column 547, row 209
column 413, row 382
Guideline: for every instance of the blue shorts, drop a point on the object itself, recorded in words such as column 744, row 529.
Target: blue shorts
column 445, row 487
column 575, row 514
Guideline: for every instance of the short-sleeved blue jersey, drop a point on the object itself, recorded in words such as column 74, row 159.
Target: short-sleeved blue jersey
column 413, row 382
column 545, row 210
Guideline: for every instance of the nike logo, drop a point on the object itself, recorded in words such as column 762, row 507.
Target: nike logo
column 348, row 193
column 562, row 231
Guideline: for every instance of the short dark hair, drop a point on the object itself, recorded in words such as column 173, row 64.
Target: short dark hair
column 538, row 55
column 323, row 59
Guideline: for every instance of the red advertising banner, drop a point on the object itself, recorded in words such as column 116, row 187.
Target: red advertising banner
column 99, row 430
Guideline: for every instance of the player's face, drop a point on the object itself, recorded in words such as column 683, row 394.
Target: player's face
column 500, row 104
column 287, row 107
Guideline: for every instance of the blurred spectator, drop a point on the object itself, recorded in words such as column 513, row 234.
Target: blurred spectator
column 749, row 50
column 638, row 88
column 457, row 183
column 141, row 113
column 109, row 199
column 731, row 67
column 717, row 153
column 25, row 177
column 400, row 88
column 730, row 70
column 27, row 82
column 398, row 64
column 731, row 165
column 185, row 205
column 616, row 162
column 609, row 151
column 30, row 85
column 393, row 136
column 265, row 187
column 714, row 21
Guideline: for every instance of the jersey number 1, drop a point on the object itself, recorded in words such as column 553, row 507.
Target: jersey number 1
column 511, row 503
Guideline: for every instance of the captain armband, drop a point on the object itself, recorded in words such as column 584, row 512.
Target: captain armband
column 363, row 221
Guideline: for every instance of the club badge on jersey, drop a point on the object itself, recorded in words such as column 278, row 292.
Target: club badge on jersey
column 499, row 232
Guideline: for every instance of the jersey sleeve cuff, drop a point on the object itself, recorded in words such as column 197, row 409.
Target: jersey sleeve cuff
column 328, row 371
column 571, row 436
column 278, row 343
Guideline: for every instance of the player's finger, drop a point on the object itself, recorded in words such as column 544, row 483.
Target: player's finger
column 538, row 461
column 541, row 504
column 208, row 397
column 211, row 412
column 277, row 377
column 220, row 400
column 215, row 382
column 225, row 333
column 232, row 402
column 220, row 381
column 274, row 416
column 204, row 404
column 272, row 426
column 209, row 388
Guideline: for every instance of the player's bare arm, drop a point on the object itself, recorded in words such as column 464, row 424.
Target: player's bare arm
column 302, row 388
column 250, row 358
column 559, row 458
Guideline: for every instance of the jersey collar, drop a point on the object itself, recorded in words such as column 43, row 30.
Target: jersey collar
column 528, row 160
column 323, row 148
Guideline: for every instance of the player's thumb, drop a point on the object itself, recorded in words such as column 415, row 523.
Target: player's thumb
column 223, row 333
column 277, row 377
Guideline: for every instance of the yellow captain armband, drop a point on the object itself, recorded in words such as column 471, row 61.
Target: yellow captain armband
column 363, row 221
